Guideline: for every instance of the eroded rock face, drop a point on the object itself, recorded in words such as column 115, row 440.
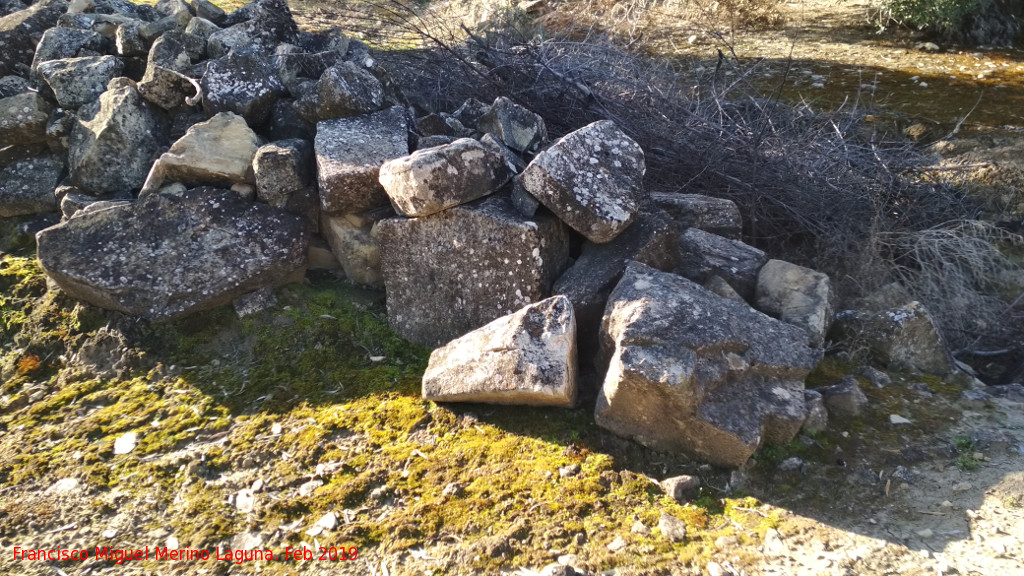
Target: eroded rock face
column 481, row 261
column 798, row 296
column 349, row 154
column 26, row 187
column 163, row 257
column 435, row 179
column 591, row 179
column 282, row 168
column 692, row 372
column 902, row 338
column 702, row 255
column 525, row 358
column 121, row 125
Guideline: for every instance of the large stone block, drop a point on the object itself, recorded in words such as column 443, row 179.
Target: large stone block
column 525, row 358
column 592, row 179
column 163, row 257
column 902, row 338
column 455, row 271
column 26, row 187
column 218, row 151
column 692, row 372
column 349, row 154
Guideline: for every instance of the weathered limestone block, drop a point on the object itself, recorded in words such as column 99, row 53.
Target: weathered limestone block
column 902, row 338
column 592, row 179
column 798, row 296
column 281, row 169
column 77, row 81
column 457, row 270
column 23, row 119
column 702, row 254
column 244, row 82
column 714, row 215
column 218, row 151
column 22, row 30
column 163, row 257
column 435, row 179
column 692, row 372
column 526, row 358
column 520, row 129
column 348, row 90
column 349, row 154
column 119, row 125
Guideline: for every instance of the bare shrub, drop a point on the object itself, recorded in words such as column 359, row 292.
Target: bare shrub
column 825, row 189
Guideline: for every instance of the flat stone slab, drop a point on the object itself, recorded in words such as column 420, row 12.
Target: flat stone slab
column 691, row 372
column 526, row 358
column 715, row 215
column 592, row 179
column 168, row 256
column 456, row 271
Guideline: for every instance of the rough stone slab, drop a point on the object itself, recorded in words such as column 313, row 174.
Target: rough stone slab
column 349, row 154
column 121, row 125
column 77, row 81
column 714, row 215
column 798, row 296
column 163, row 257
column 23, row 119
column 22, row 30
column 435, row 179
column 457, row 270
column 817, row 414
column 220, row 151
column 592, row 179
column 844, row 399
column 904, row 338
column 527, row 358
column 350, row 237
column 520, row 129
column 695, row 373
column 244, row 82
column 220, row 43
column 702, row 254
column 61, row 43
column 26, row 187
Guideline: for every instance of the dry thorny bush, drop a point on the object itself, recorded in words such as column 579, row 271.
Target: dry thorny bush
column 827, row 189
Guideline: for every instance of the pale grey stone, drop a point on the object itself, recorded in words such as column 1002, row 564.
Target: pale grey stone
column 672, row 528
column 844, row 399
column 817, row 414
column 520, row 129
column 905, row 338
column 77, row 81
column 23, row 119
column 715, row 215
column 525, row 358
column 682, row 489
column 27, row 186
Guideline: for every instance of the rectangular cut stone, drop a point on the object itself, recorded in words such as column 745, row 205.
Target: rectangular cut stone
column 457, row 270
column 349, row 154
column 702, row 255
